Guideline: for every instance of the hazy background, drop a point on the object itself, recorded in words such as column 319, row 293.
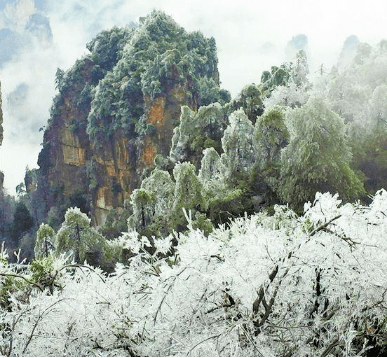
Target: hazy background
column 38, row 36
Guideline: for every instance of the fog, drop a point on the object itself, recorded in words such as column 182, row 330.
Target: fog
column 251, row 36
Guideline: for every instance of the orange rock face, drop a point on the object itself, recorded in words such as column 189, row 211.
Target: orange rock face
column 107, row 171
column 149, row 153
column 116, row 179
column 73, row 153
column 156, row 114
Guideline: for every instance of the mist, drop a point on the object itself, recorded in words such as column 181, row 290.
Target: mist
column 251, row 37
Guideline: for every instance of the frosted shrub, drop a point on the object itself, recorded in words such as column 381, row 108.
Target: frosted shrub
column 75, row 235
column 44, row 241
column 260, row 286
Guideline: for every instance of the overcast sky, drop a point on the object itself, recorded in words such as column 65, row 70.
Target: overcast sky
column 251, row 36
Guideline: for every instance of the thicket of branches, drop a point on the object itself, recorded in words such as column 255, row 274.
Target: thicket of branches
column 259, row 286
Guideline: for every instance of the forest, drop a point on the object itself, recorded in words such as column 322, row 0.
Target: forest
column 167, row 218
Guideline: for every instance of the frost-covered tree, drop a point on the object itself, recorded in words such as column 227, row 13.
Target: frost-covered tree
column 351, row 88
column 238, row 145
column 224, row 180
column 317, row 156
column 265, row 285
column 182, row 135
column 44, row 243
column 289, row 96
column 188, row 195
column 162, row 185
column 198, row 131
column 212, row 171
column 223, row 201
column 250, row 100
column 300, row 70
column 295, row 91
column 75, row 236
column 349, row 99
column 379, row 105
column 357, row 94
column 369, row 142
column 271, row 135
column 143, row 208
column 152, row 204
column 277, row 76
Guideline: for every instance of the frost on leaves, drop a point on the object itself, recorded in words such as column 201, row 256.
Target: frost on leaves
column 262, row 286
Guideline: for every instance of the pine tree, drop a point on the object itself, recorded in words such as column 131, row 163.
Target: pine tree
column 77, row 237
column 44, row 241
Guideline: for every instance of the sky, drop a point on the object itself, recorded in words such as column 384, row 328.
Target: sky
column 251, row 36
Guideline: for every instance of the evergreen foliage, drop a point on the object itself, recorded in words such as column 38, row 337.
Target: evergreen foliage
column 198, row 131
column 318, row 155
column 277, row 76
column 250, row 100
column 106, row 48
column 238, row 146
column 152, row 204
column 77, row 237
column 189, row 194
column 22, row 223
column 158, row 55
column 271, row 135
column 44, row 243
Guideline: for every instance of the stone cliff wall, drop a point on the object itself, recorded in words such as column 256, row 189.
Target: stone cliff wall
column 124, row 160
column 116, row 110
column 66, row 151
column 105, row 172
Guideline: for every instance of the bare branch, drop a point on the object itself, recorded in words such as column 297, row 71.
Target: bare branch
column 41, row 288
column 165, row 294
column 334, row 343
column 40, row 317
column 204, row 340
column 348, row 240
column 79, row 266
column 323, row 226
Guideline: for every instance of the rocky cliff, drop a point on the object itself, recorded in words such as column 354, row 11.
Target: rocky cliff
column 117, row 108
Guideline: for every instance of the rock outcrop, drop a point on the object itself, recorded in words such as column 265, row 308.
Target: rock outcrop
column 110, row 119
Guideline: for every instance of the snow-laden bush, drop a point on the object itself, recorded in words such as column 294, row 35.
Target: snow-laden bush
column 260, row 286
